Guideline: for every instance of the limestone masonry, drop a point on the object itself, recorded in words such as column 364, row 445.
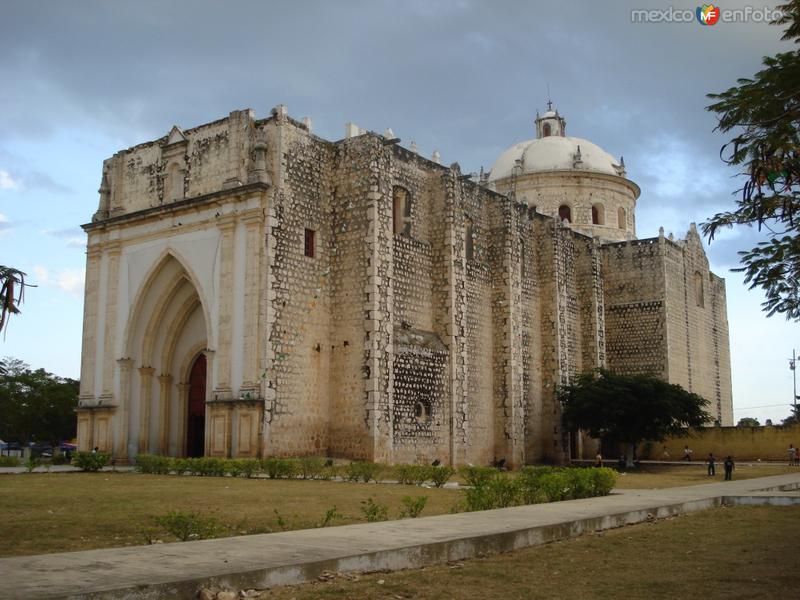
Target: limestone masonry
column 255, row 290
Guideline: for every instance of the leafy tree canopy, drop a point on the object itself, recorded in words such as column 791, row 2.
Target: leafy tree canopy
column 794, row 418
column 748, row 422
column 35, row 406
column 629, row 408
column 763, row 114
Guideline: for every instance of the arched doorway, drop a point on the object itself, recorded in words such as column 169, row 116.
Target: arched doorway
column 196, row 417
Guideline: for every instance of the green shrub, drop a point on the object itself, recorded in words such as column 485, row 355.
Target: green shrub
column 9, row 461
column 90, row 461
column 234, row 467
column 331, row 515
column 441, row 475
column 32, row 463
column 421, row 474
column 181, row 465
column 59, row 458
column 603, row 480
column 477, row 476
column 329, row 471
column 478, row 498
column 250, row 467
column 188, row 526
column 311, row 467
column 412, row 507
column 373, row 511
column 362, row 470
column 404, row 473
column 499, row 491
column 279, row 468
column 153, row 464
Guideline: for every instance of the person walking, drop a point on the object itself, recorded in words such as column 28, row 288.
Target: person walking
column 792, row 454
column 728, row 468
column 687, row 453
column 712, row 471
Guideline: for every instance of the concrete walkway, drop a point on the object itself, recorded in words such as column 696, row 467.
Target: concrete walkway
column 260, row 561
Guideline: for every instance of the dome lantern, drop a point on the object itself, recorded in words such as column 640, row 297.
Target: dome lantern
column 550, row 123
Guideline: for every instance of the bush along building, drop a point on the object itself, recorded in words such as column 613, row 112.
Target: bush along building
column 255, row 290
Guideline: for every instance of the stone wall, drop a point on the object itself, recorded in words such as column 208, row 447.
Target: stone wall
column 743, row 443
column 299, row 334
column 635, row 307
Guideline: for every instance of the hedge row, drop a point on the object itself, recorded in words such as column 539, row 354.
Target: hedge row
column 533, row 485
column 292, row 468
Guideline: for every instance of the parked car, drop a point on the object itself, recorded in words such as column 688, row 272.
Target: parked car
column 42, row 450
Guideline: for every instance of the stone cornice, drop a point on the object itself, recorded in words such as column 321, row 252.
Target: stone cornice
column 156, row 211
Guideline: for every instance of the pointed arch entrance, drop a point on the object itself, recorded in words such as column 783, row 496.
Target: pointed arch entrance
column 168, row 328
column 196, row 413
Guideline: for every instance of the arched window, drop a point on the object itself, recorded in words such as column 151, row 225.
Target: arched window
column 698, row 290
column 598, row 215
column 401, row 212
column 546, row 130
column 564, row 213
column 469, row 239
column 622, row 218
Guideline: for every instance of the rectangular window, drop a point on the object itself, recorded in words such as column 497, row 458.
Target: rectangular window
column 310, row 243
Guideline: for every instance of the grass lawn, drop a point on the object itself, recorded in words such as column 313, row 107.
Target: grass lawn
column 655, row 476
column 62, row 512
column 724, row 553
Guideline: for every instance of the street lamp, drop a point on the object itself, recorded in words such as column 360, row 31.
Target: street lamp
column 792, row 362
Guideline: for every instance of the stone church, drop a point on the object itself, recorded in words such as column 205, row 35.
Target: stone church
column 255, row 290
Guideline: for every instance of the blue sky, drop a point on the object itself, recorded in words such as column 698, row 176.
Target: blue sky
column 83, row 79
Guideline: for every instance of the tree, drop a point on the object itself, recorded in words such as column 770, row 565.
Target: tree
column 36, row 406
column 12, row 291
column 763, row 113
column 794, row 418
column 748, row 422
column 629, row 408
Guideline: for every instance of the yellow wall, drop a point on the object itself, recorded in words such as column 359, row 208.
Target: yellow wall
column 743, row 443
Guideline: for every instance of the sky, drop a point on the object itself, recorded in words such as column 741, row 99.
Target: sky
column 81, row 80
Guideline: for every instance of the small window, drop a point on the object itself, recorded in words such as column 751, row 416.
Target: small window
column 469, row 239
column 622, row 218
column 598, row 215
column 310, row 243
column 546, row 130
column 401, row 212
column 698, row 290
column 565, row 213
column 422, row 411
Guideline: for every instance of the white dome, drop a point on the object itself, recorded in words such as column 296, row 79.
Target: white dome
column 555, row 153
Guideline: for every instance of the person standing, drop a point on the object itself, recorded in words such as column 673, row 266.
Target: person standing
column 792, row 454
column 712, row 471
column 728, row 468
column 687, row 453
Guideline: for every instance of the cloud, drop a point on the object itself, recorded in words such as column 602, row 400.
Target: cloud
column 5, row 225
column 70, row 281
column 73, row 236
column 7, row 182
column 29, row 179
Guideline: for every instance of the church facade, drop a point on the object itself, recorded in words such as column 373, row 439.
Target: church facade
column 255, row 290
